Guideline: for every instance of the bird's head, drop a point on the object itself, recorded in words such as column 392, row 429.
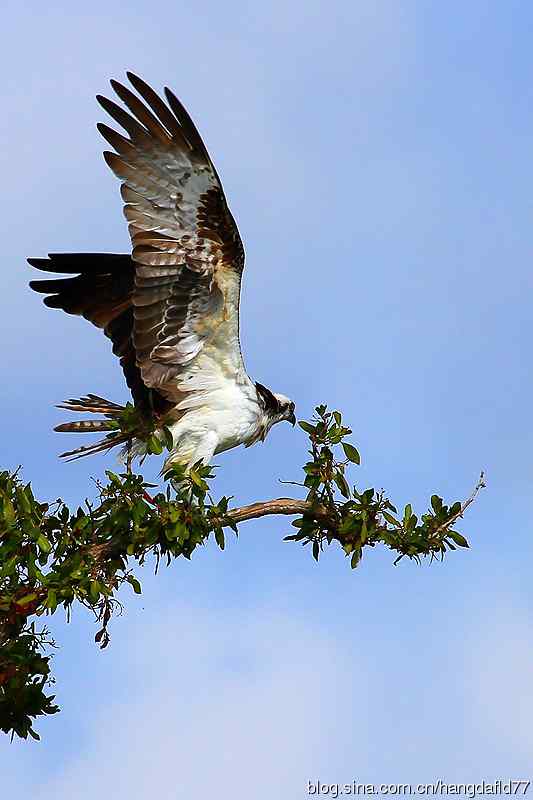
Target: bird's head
column 285, row 409
column 276, row 407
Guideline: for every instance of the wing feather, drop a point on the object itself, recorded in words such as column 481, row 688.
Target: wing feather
column 187, row 251
column 101, row 292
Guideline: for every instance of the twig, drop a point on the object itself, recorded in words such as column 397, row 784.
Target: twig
column 285, row 506
column 446, row 525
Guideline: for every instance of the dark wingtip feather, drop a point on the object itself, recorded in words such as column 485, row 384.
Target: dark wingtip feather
column 161, row 110
column 129, row 123
column 39, row 263
column 54, row 301
column 109, row 158
column 191, row 132
column 46, row 286
column 115, row 139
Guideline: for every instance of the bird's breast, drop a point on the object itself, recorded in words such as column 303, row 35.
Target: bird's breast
column 232, row 414
column 238, row 426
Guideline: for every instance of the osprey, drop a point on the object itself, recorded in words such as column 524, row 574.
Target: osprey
column 171, row 308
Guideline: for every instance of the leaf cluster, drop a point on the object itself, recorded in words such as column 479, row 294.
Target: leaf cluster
column 146, row 428
column 24, row 678
column 52, row 557
column 362, row 518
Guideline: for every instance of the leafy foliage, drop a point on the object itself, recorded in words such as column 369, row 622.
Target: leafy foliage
column 365, row 518
column 140, row 426
column 52, row 556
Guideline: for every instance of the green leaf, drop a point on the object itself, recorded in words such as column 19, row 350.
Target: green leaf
column 341, row 482
column 176, row 530
column 305, row 426
column 196, row 479
column 9, row 512
column 351, row 453
column 51, row 600
column 311, row 468
column 458, row 538
column 312, row 481
column 316, row 550
column 219, row 537
column 349, row 524
column 391, row 520
column 113, row 478
column 23, row 501
column 167, row 437
column 9, row 567
column 436, row 503
column 43, row 544
column 134, row 583
column 94, row 591
column 154, row 445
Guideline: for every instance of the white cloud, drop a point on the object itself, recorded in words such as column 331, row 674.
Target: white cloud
column 244, row 709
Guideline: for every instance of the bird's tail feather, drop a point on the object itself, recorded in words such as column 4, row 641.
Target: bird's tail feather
column 93, row 404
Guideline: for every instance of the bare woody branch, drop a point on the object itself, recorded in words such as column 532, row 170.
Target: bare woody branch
column 478, row 487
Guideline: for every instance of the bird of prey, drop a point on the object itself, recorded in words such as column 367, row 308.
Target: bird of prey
column 171, row 307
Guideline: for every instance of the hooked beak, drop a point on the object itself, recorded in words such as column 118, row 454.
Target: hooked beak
column 292, row 418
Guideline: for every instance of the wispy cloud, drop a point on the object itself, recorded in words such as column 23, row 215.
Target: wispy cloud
column 244, row 709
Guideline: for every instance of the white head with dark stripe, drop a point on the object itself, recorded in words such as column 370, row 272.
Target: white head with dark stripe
column 276, row 408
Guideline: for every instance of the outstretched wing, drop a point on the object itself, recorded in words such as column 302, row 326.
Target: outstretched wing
column 187, row 252
column 100, row 289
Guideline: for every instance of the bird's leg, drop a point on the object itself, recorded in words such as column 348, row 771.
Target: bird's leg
column 203, row 452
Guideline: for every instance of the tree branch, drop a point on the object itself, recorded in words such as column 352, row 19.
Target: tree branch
column 283, row 505
column 287, row 506
column 51, row 556
column 478, row 487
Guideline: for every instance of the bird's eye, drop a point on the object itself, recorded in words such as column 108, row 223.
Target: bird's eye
column 291, row 406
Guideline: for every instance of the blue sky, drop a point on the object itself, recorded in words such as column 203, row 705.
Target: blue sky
column 378, row 157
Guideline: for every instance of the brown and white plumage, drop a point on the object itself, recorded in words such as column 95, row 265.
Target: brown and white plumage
column 172, row 308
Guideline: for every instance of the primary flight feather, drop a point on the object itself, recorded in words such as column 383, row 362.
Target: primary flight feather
column 171, row 308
